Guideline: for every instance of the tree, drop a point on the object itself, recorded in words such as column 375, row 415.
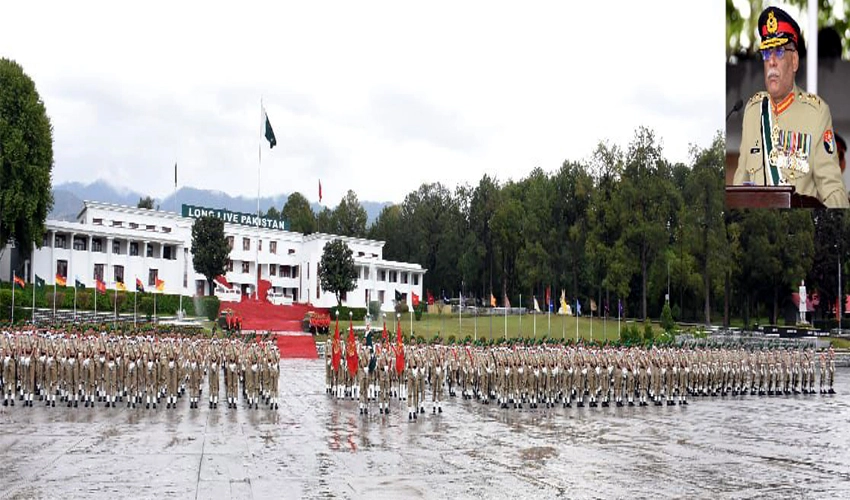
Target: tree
column 350, row 216
column 703, row 216
column 210, row 249
column 337, row 273
column 389, row 227
column 273, row 214
column 298, row 213
column 26, row 159
column 146, row 202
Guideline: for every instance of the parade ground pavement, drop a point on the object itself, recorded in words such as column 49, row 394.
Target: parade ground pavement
column 317, row 447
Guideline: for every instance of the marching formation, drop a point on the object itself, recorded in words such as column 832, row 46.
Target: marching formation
column 557, row 375
column 88, row 368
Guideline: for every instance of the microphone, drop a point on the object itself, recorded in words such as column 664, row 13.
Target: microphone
column 737, row 107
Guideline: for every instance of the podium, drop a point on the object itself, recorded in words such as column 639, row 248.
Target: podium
column 768, row 197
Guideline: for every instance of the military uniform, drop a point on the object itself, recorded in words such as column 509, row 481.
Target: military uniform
column 789, row 142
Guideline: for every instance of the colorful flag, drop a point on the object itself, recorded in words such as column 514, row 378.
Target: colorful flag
column 39, row 281
column 351, row 350
column 430, row 298
column 269, row 132
column 385, row 336
column 175, row 174
column 620, row 306
column 492, row 300
column 507, row 302
column 578, row 307
column 336, row 357
column 60, row 280
column 398, row 296
column 100, row 286
column 536, row 305
column 20, row 282
column 549, row 297
column 160, row 285
column 415, row 300
column 399, row 351
column 78, row 283
column 119, row 285
column 140, row 287
column 320, row 190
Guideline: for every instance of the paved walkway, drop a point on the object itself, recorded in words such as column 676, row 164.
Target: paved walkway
column 315, row 447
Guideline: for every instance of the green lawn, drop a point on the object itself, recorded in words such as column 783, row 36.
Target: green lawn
column 483, row 328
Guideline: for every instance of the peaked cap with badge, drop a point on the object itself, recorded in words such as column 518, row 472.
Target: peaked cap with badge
column 790, row 142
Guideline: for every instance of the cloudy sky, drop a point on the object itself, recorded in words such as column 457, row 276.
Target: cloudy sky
column 375, row 97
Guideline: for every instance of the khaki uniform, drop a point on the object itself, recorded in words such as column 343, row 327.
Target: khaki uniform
column 805, row 149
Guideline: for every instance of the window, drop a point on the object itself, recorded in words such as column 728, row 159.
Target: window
column 291, row 251
column 134, row 248
column 294, row 271
column 381, row 296
column 60, row 241
column 117, row 223
column 230, row 242
column 393, row 276
column 246, row 267
column 116, row 246
column 361, row 254
column 318, row 281
column 79, row 243
column 62, row 268
column 166, row 229
column 272, row 270
column 166, row 251
column 246, row 243
column 229, row 266
column 97, row 222
column 97, row 245
column 150, row 227
column 153, row 274
column 415, row 280
column 46, row 240
column 403, row 278
column 273, row 247
column 133, row 225
column 259, row 245
column 98, row 272
column 118, row 272
column 149, row 251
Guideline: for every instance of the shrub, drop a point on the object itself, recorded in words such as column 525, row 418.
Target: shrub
column 648, row 332
column 667, row 322
column 401, row 308
column 357, row 313
column 418, row 310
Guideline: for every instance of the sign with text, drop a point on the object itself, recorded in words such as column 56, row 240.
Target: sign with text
column 234, row 217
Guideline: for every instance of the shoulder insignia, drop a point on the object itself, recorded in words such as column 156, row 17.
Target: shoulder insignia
column 811, row 99
column 757, row 98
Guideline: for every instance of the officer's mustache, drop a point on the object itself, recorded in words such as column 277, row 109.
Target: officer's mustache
column 773, row 73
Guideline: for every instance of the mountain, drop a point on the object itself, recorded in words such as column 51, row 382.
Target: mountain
column 68, row 200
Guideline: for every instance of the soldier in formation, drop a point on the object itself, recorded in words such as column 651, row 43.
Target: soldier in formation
column 597, row 376
column 87, row 368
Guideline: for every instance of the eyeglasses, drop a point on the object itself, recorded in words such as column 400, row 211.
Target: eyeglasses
column 778, row 51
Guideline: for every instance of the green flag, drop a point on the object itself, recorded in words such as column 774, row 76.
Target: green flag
column 269, row 132
column 39, row 283
column 79, row 284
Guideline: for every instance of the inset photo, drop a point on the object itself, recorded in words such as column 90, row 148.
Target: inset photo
column 788, row 104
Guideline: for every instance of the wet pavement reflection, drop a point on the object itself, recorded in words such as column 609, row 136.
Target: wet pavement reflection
column 318, row 447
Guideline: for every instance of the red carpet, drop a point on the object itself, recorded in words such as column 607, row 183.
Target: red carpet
column 297, row 346
column 258, row 315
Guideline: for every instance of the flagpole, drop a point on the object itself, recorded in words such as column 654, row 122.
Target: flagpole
column 577, row 303
column 95, row 299
column 520, row 315
column 182, row 260
column 135, row 295
column 33, row 296
column 535, row 317
column 259, row 164
column 115, row 320
column 14, row 282
column 75, row 299
column 506, row 316
column 54, row 299
column 154, row 307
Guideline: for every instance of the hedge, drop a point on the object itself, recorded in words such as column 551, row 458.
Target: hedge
column 166, row 304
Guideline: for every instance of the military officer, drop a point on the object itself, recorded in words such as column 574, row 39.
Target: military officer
column 787, row 136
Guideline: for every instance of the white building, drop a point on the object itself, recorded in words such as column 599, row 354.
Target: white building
column 120, row 243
